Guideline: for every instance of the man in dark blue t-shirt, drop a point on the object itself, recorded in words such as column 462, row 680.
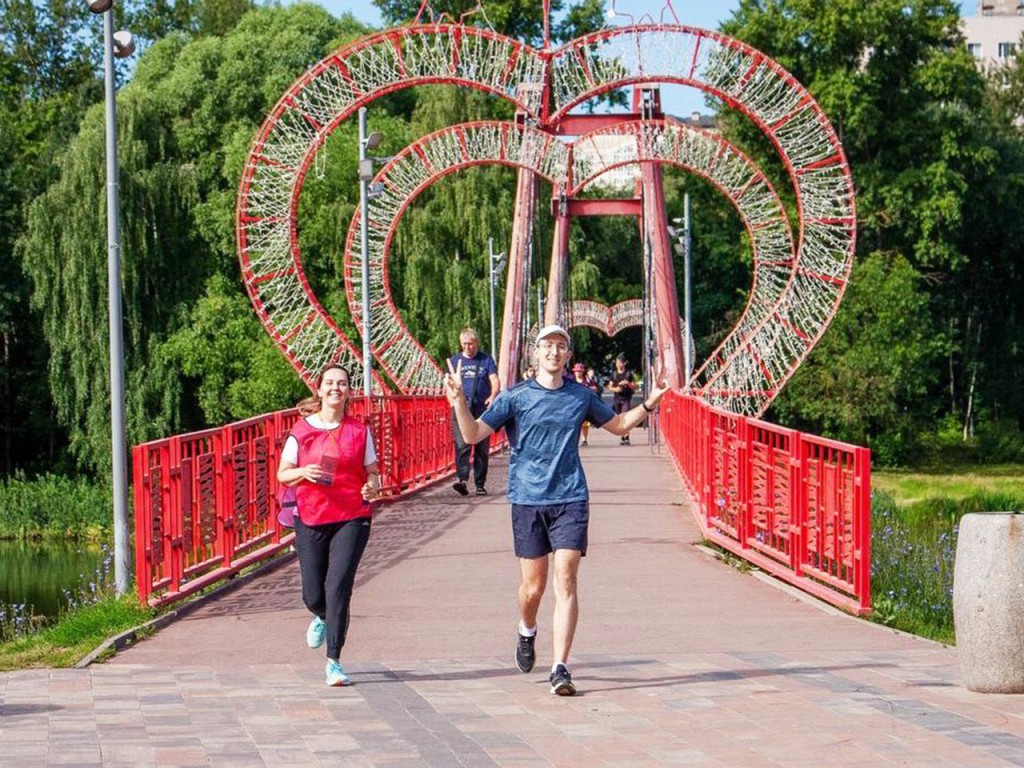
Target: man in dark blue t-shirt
column 480, row 384
column 546, row 485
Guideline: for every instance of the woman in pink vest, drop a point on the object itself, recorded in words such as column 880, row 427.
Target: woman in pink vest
column 330, row 459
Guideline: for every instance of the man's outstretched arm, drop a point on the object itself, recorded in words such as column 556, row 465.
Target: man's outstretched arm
column 622, row 423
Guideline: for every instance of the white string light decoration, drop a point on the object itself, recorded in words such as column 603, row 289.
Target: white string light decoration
column 796, row 290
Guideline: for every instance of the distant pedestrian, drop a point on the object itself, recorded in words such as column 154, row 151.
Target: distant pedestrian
column 529, row 373
column 480, row 385
column 546, row 485
column 579, row 373
column 330, row 459
column 622, row 383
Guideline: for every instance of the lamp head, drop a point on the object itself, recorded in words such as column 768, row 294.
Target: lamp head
column 124, row 44
column 373, row 140
column 99, row 6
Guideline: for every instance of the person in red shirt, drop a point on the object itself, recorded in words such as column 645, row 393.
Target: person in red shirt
column 330, row 459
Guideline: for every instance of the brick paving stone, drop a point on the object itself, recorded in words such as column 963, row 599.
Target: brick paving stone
column 680, row 660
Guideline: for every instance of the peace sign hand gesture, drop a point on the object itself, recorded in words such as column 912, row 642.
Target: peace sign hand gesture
column 453, row 383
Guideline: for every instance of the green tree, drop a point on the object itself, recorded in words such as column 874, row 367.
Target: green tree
column 995, row 285
column 236, row 369
column 439, row 267
column 156, row 19
column 897, row 82
column 185, row 123
column 882, row 361
column 46, row 82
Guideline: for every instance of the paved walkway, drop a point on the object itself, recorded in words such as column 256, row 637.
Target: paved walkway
column 680, row 660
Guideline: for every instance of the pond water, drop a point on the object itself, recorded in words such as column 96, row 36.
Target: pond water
column 36, row 573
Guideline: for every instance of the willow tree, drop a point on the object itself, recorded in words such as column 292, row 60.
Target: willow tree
column 185, row 123
column 46, row 83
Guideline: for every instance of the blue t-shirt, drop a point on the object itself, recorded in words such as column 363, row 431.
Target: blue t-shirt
column 543, row 428
column 476, row 382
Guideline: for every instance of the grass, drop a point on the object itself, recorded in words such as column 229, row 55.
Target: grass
column 911, row 487
column 912, row 562
column 915, row 519
column 93, row 614
column 75, row 635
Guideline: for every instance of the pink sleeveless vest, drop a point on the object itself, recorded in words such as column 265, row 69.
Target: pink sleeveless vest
column 344, row 447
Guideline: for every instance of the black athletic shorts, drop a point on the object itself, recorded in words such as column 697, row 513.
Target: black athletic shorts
column 540, row 529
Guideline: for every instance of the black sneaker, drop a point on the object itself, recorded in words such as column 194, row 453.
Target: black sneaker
column 525, row 655
column 460, row 488
column 561, row 682
column 481, row 491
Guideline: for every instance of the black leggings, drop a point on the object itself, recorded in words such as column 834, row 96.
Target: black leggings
column 328, row 558
column 481, row 455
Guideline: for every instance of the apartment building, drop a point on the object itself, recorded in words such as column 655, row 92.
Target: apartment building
column 994, row 34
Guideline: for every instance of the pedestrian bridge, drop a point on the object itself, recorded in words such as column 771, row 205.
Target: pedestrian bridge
column 680, row 658
column 796, row 505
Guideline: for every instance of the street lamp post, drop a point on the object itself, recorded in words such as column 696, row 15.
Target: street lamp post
column 367, row 141
column 683, row 248
column 687, row 354
column 495, row 262
column 120, row 45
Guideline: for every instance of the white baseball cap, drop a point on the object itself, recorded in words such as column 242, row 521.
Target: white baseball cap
column 553, row 330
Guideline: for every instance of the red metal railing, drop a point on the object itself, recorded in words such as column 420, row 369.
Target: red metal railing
column 205, row 502
column 795, row 505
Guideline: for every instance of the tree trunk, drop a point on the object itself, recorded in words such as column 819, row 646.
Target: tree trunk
column 952, row 372
column 969, row 411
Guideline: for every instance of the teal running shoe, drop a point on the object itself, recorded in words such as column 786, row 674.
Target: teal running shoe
column 315, row 632
column 336, row 674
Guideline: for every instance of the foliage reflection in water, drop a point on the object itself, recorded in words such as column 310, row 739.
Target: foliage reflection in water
column 39, row 581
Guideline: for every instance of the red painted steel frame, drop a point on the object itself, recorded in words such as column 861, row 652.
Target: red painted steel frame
column 205, row 502
column 544, row 86
column 796, row 505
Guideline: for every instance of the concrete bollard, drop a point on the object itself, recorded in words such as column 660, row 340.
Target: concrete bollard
column 988, row 601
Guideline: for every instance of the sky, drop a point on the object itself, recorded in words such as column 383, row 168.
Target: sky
column 675, row 99
column 696, row 13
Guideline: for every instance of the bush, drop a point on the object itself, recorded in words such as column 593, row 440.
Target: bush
column 54, row 506
column 1000, row 442
column 995, row 442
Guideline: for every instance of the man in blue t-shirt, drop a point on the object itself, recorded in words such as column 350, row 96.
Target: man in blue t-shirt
column 546, row 485
column 480, row 385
